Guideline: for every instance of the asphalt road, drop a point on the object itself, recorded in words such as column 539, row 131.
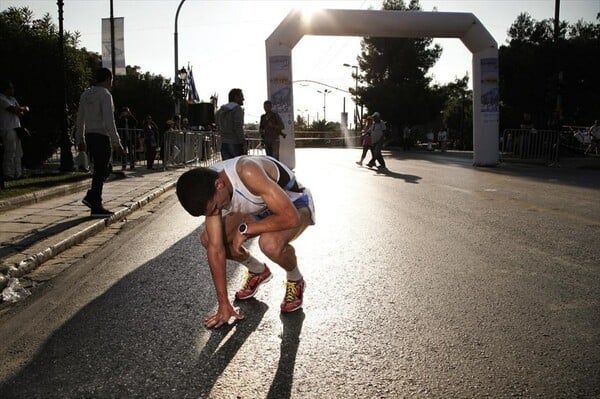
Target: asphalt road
column 434, row 279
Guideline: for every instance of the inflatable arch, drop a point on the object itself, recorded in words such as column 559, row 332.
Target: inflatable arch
column 389, row 23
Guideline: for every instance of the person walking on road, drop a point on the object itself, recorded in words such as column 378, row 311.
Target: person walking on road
column 271, row 128
column 242, row 198
column 365, row 140
column 230, row 119
column 377, row 131
column 96, row 131
column 10, row 122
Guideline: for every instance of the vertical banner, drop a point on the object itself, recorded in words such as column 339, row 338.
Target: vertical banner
column 281, row 97
column 119, row 45
column 489, row 90
column 280, row 94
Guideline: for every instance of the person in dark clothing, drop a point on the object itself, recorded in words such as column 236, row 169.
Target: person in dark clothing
column 126, row 125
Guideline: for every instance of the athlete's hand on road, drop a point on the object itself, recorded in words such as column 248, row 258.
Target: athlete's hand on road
column 223, row 316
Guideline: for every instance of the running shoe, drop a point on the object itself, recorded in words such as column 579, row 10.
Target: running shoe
column 252, row 282
column 294, row 291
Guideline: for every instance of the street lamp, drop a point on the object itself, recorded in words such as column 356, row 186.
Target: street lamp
column 324, row 102
column 176, row 48
column 357, row 120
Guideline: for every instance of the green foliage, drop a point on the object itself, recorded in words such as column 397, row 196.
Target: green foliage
column 145, row 94
column 324, row 126
column 458, row 112
column 393, row 73
column 536, row 71
column 31, row 60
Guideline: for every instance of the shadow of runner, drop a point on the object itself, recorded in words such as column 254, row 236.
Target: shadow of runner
column 137, row 339
column 225, row 342
column 281, row 387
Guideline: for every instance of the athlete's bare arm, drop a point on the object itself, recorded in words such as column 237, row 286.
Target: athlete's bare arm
column 215, row 248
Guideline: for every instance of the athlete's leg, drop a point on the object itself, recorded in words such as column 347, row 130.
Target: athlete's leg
column 276, row 245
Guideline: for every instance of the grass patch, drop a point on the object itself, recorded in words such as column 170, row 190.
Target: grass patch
column 40, row 181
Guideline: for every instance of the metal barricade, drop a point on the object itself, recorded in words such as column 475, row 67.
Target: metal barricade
column 531, row 144
column 190, row 147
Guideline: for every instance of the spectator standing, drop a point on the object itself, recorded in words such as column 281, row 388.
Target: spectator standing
column 126, row 125
column 150, row 132
column 10, row 113
column 96, row 131
column 230, row 119
column 377, row 132
column 594, row 134
column 429, row 137
column 406, row 139
column 365, row 140
column 443, row 139
column 271, row 128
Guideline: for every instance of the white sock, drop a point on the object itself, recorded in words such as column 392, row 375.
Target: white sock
column 254, row 265
column 294, row 275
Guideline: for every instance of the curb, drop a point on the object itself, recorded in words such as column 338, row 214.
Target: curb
column 42, row 195
column 32, row 262
column 49, row 193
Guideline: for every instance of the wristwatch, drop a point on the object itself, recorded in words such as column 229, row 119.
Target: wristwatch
column 243, row 229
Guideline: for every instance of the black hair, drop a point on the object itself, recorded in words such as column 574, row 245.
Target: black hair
column 195, row 188
column 102, row 75
column 268, row 102
column 233, row 93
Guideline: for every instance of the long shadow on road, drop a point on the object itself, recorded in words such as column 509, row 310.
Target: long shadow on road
column 571, row 175
column 143, row 337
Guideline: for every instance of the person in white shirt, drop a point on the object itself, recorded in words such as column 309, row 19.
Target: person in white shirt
column 96, row 132
column 10, row 113
column 377, row 131
column 443, row 139
column 594, row 135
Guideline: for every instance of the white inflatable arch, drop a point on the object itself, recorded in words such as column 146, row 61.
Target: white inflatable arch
column 388, row 23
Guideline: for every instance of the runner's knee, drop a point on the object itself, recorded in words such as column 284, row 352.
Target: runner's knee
column 273, row 247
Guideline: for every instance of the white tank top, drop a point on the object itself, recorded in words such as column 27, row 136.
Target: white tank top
column 242, row 200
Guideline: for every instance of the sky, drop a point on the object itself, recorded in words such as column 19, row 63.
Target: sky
column 224, row 42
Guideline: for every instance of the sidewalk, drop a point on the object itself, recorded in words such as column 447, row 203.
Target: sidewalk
column 37, row 227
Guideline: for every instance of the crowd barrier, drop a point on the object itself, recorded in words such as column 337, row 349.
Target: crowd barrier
column 532, row 144
column 191, row 147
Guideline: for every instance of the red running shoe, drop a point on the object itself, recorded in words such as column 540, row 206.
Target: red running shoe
column 252, row 282
column 294, row 291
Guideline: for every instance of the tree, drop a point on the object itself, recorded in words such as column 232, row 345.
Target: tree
column 458, row 111
column 393, row 73
column 555, row 81
column 34, row 67
column 135, row 89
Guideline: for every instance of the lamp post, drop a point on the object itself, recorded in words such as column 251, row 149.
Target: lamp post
column 176, row 48
column 324, row 102
column 66, row 157
column 357, row 119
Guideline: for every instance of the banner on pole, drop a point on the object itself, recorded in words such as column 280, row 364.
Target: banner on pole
column 119, row 45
